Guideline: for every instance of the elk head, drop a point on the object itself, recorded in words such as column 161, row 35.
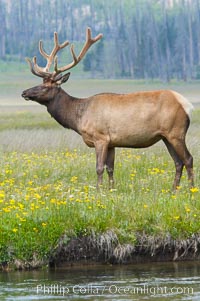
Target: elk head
column 47, row 91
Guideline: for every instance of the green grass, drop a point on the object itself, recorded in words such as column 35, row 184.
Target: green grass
column 48, row 178
column 26, row 120
column 47, row 188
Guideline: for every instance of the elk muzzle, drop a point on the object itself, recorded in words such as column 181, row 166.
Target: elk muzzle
column 34, row 93
column 25, row 95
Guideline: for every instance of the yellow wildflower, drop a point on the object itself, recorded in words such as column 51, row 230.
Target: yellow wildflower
column 194, row 189
column 74, row 179
column 176, row 217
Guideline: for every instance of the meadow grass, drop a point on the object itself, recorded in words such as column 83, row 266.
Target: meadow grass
column 48, row 178
column 48, row 188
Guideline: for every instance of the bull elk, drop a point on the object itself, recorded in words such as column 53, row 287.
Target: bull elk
column 109, row 120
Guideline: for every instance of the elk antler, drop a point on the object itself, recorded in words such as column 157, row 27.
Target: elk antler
column 44, row 72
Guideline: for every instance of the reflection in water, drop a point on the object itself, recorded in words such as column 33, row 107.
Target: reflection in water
column 155, row 281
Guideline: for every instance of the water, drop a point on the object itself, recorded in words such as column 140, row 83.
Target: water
column 155, row 281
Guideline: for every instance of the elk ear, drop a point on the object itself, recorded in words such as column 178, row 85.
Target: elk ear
column 64, row 78
column 61, row 79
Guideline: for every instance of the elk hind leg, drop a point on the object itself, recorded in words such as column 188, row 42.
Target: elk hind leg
column 187, row 159
column 185, row 156
column 178, row 163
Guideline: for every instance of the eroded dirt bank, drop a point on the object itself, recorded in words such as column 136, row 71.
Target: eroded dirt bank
column 106, row 249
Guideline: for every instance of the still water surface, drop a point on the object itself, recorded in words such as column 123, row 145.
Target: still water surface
column 155, row 281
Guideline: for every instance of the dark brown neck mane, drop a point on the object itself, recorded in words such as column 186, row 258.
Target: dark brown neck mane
column 67, row 110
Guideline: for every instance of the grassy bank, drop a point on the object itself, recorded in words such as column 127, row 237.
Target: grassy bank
column 48, row 194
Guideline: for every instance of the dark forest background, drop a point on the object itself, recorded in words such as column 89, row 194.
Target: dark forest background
column 143, row 39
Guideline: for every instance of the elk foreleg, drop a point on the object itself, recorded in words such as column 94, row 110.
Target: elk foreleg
column 110, row 166
column 101, row 149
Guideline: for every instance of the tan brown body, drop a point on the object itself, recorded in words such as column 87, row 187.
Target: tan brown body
column 109, row 120
column 131, row 120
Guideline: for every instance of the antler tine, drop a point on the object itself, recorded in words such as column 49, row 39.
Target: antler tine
column 50, row 57
column 31, row 67
column 39, row 70
column 56, row 48
column 88, row 43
